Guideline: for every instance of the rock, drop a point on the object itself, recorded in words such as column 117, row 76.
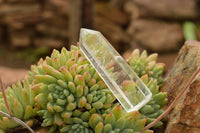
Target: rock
column 185, row 117
column 53, row 30
column 20, row 40
column 20, row 37
column 179, row 9
column 49, row 42
column 181, row 128
column 117, row 3
column 12, row 75
column 1, row 34
column 198, row 34
column 111, row 13
column 155, row 35
column 52, row 18
column 132, row 9
column 20, row 13
column 20, row 1
column 60, row 7
column 113, row 32
column 168, row 59
column 55, row 19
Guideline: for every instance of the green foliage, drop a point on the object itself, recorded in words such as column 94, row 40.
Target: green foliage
column 21, row 101
column 153, row 108
column 117, row 121
column 151, row 74
column 68, row 94
column 71, row 90
column 189, row 30
column 143, row 64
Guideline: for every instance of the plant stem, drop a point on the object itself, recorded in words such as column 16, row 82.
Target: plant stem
column 4, row 96
column 173, row 103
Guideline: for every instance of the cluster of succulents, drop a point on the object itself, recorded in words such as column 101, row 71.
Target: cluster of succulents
column 69, row 95
column 151, row 74
column 21, row 102
column 117, row 121
column 153, row 108
column 71, row 89
column 143, row 64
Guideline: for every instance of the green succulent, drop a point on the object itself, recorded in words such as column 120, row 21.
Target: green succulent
column 68, row 94
column 71, row 89
column 117, row 121
column 65, row 75
column 143, row 64
column 21, row 102
column 153, row 108
column 151, row 74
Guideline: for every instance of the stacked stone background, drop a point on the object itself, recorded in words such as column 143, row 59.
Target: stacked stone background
column 128, row 24
column 34, row 23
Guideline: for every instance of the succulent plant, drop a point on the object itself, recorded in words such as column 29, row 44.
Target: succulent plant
column 21, row 102
column 68, row 94
column 143, row 64
column 71, row 89
column 151, row 74
column 117, row 121
column 154, row 107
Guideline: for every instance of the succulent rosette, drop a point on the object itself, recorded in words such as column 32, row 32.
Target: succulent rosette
column 71, row 90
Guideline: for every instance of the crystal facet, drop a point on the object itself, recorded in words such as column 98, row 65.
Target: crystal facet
column 123, row 82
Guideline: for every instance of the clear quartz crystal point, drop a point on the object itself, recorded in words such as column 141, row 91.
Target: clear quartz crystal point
column 123, row 82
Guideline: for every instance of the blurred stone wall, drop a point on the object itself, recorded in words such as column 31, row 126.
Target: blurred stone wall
column 128, row 24
column 157, row 25
column 152, row 25
column 147, row 24
column 25, row 23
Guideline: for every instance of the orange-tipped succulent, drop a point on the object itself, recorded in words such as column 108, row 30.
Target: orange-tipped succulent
column 69, row 95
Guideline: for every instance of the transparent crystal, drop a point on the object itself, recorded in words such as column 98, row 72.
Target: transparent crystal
column 123, row 82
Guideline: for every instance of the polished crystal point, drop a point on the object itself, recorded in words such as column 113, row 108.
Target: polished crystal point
column 123, row 82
